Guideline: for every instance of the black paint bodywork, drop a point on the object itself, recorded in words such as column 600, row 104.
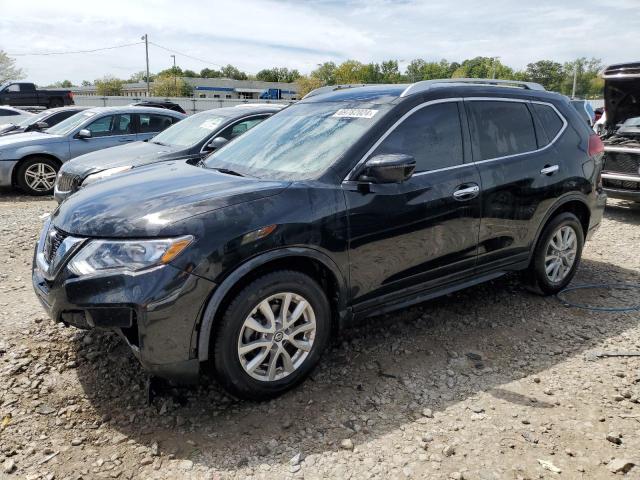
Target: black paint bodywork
column 382, row 246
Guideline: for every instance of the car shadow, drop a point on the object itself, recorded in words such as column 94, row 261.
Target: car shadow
column 623, row 211
column 377, row 377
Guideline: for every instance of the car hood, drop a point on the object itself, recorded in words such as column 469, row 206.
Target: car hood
column 621, row 100
column 147, row 201
column 28, row 138
column 7, row 127
column 134, row 154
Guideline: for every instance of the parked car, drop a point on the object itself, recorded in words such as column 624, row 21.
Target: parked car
column 347, row 204
column 26, row 94
column 41, row 121
column 31, row 160
column 159, row 104
column 585, row 110
column 191, row 139
column 11, row 114
column 621, row 136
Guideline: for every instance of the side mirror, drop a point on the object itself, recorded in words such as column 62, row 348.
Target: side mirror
column 388, row 168
column 39, row 126
column 216, row 143
column 84, row 133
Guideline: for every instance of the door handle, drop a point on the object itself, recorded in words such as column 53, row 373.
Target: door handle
column 466, row 193
column 549, row 169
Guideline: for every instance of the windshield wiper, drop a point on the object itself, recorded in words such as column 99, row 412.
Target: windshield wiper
column 158, row 143
column 228, row 172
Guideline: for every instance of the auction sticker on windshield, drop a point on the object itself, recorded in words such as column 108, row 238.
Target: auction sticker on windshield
column 355, row 113
column 210, row 124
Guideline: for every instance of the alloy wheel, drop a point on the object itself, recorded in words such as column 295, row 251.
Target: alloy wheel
column 277, row 336
column 561, row 253
column 40, row 177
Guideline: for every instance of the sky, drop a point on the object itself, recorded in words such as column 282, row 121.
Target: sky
column 257, row 34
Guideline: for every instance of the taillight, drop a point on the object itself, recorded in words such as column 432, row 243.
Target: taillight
column 595, row 145
column 70, row 95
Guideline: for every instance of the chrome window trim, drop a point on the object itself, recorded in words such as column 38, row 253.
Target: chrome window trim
column 565, row 124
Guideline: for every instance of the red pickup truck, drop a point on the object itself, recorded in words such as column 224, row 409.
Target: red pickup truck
column 21, row 94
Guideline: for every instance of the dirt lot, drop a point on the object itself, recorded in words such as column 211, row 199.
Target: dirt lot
column 489, row 383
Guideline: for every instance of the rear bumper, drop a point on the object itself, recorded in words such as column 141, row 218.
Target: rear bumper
column 597, row 212
column 6, row 172
column 616, row 183
column 622, row 194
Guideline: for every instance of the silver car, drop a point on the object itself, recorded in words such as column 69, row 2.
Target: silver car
column 31, row 160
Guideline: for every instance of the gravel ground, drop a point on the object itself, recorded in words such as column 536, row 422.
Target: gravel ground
column 489, row 383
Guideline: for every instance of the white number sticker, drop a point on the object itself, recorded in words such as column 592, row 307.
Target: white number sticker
column 355, row 113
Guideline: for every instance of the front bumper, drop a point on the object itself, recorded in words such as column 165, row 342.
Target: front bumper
column 156, row 311
column 6, row 172
column 623, row 186
column 60, row 196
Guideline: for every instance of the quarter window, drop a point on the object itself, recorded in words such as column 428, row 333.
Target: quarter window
column 432, row 135
column 550, row 120
column 500, row 128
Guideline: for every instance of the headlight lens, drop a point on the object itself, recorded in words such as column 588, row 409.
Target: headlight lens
column 133, row 255
column 94, row 177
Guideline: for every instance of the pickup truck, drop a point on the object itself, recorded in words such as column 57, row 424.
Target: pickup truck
column 23, row 94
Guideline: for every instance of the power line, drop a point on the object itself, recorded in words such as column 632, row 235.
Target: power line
column 73, row 52
column 188, row 56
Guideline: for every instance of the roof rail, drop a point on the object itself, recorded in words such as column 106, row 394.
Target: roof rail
column 621, row 70
column 332, row 88
column 427, row 84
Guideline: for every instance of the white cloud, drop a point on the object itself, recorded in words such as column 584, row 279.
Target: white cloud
column 255, row 34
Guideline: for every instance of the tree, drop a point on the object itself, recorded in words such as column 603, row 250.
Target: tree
column 547, row 73
column 483, row 67
column 168, row 85
column 62, row 84
column 276, row 74
column 174, row 71
column 307, row 83
column 140, row 76
column 8, row 69
column 587, row 80
column 232, row 72
column 109, row 85
column 326, row 73
column 209, row 73
column 349, row 71
column 414, row 71
column 85, row 83
column 190, row 74
column 390, row 72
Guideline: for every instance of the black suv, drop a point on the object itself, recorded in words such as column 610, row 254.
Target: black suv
column 352, row 202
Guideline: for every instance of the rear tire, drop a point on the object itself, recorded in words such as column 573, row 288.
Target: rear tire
column 37, row 175
column 556, row 256
column 259, row 353
column 55, row 103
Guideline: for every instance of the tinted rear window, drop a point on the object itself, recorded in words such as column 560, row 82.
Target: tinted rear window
column 550, row 120
column 500, row 128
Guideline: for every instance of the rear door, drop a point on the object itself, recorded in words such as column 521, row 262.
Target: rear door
column 520, row 171
column 407, row 237
column 150, row 124
column 106, row 131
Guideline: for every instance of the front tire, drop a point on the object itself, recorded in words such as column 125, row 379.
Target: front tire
column 557, row 255
column 37, row 176
column 272, row 335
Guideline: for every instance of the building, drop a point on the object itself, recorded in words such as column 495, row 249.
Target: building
column 219, row 88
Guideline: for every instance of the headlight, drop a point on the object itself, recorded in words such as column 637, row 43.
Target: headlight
column 94, row 177
column 133, row 255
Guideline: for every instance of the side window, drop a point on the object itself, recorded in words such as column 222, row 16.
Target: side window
column 58, row 117
column 13, row 88
column 151, row 123
column 500, row 128
column 550, row 120
column 239, row 128
column 432, row 135
column 111, row 125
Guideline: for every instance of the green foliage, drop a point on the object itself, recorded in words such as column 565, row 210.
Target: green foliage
column 168, row 85
column 109, row 85
column 209, row 73
column 307, row 83
column 190, row 74
column 276, row 74
column 85, row 83
column 232, row 72
column 140, row 76
column 548, row 73
column 8, row 69
column 326, row 73
column 62, row 84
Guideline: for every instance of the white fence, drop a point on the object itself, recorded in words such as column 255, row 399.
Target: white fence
column 190, row 105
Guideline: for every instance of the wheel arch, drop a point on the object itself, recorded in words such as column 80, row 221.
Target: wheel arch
column 575, row 204
column 307, row 260
column 29, row 156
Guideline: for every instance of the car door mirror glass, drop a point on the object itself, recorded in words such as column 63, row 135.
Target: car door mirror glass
column 84, row 133
column 388, row 168
column 216, row 143
column 41, row 126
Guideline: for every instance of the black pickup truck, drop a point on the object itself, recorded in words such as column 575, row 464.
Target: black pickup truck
column 20, row 94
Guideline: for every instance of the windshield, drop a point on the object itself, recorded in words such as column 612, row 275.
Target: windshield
column 190, row 131
column 299, row 142
column 25, row 122
column 70, row 124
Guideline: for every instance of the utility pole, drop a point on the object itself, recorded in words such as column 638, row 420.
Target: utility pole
column 145, row 37
column 575, row 81
column 175, row 78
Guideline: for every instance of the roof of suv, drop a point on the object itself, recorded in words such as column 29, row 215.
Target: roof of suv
column 385, row 93
column 130, row 109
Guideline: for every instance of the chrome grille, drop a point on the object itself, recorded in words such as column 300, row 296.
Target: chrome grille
column 622, row 163
column 52, row 242
column 67, row 182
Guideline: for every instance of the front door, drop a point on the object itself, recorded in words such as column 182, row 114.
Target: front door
column 409, row 236
column 107, row 131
